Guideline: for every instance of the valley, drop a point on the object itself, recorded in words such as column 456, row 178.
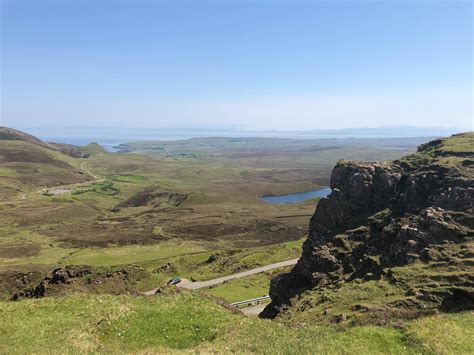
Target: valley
column 149, row 210
column 236, row 177
column 84, row 227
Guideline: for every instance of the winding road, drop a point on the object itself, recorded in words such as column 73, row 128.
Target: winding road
column 203, row 284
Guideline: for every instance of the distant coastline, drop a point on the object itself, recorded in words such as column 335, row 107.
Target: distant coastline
column 112, row 137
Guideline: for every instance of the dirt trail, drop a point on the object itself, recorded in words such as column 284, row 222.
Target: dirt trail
column 62, row 189
column 87, row 171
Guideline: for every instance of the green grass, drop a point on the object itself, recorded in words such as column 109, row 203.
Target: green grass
column 188, row 258
column 184, row 321
column 130, row 254
column 187, row 322
column 445, row 333
column 127, row 178
column 105, row 187
column 7, row 172
column 245, row 288
column 320, row 306
column 52, row 252
column 93, row 149
column 451, row 151
column 458, row 144
column 233, row 261
column 108, row 323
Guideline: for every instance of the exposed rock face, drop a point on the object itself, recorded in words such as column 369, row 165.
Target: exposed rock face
column 382, row 215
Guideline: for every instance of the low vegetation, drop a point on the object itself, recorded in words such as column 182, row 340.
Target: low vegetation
column 174, row 323
column 120, row 224
column 148, row 266
column 93, row 149
column 100, row 188
column 245, row 288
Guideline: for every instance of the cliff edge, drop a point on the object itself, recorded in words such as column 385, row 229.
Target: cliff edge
column 401, row 231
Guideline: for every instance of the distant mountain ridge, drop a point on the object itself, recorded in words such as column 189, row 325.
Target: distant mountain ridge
column 391, row 131
column 115, row 135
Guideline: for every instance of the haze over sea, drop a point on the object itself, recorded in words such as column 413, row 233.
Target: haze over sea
column 109, row 137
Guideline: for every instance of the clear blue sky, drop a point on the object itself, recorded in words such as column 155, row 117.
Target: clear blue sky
column 244, row 64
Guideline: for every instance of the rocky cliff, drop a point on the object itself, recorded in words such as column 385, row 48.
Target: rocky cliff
column 384, row 218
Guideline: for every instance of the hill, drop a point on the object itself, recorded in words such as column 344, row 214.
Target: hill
column 29, row 163
column 393, row 241
column 92, row 149
column 10, row 134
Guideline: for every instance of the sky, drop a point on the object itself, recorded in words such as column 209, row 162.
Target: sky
column 248, row 65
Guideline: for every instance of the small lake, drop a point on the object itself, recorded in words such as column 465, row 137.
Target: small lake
column 298, row 197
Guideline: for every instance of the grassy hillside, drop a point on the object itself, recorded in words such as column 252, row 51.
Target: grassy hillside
column 25, row 262
column 92, row 149
column 143, row 219
column 10, row 134
column 186, row 322
column 26, row 166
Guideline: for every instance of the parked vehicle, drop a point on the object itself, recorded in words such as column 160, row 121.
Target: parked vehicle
column 174, row 281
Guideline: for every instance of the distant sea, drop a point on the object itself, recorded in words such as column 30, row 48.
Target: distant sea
column 109, row 138
column 108, row 144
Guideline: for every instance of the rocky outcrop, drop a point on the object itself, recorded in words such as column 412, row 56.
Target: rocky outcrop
column 74, row 278
column 382, row 215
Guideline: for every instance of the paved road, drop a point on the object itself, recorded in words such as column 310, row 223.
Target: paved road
column 202, row 284
column 256, row 310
